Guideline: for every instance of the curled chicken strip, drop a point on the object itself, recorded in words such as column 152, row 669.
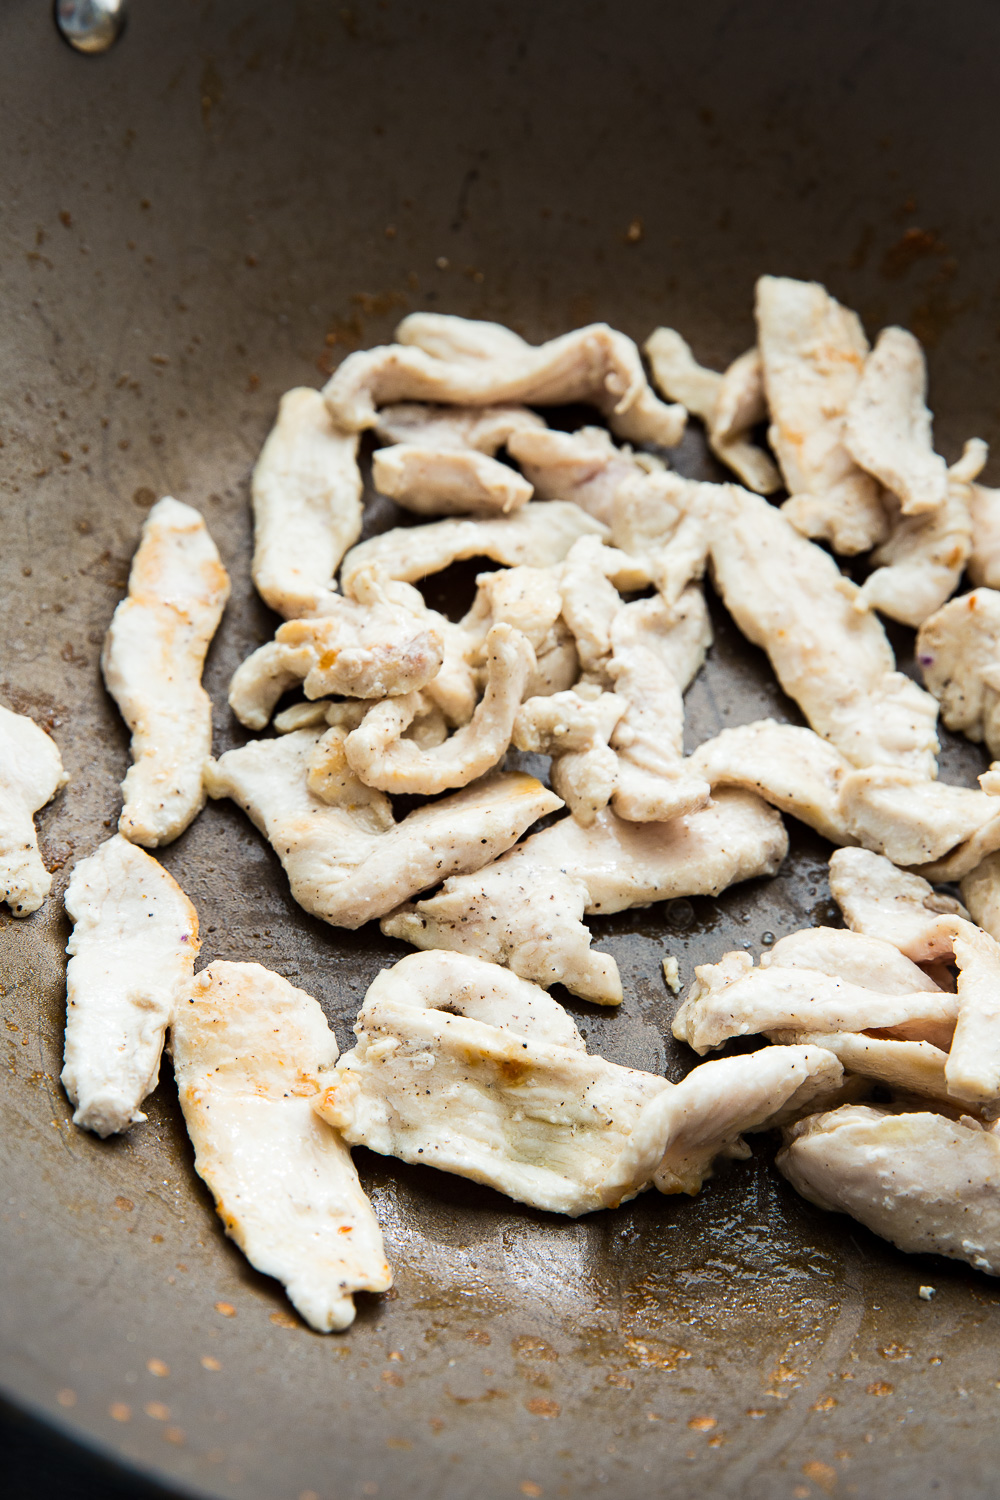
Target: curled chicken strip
column 526, row 910
column 538, row 535
column 813, row 352
column 921, row 1180
column 381, row 643
column 346, row 859
column 378, row 754
column 880, row 900
column 788, row 596
column 152, row 662
column 919, row 567
column 654, row 782
column 888, row 426
column 981, row 893
column 486, row 429
column 584, row 466
column 910, row 1067
column 790, row 767
column 730, row 405
column 251, row 1053
column 447, row 481
column 306, row 492
column 456, row 1067
column 958, row 649
column 133, row 947
column 482, row 364
column 574, row 727
column 31, row 772
column 590, row 600
column 529, row 600
column 983, row 563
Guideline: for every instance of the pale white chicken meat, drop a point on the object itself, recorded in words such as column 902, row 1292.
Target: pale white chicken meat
column 486, row 429
column 152, row 662
column 958, row 649
column 448, row 481
column 31, row 772
column 920, row 565
column 790, row 767
column 880, row 900
column 813, row 353
column 888, row 428
column 909, row 1067
column 981, row 893
column 383, row 642
column 527, row 909
column 381, row 757
column 574, row 727
column 346, row 859
column 584, row 466
column 306, row 493
column 921, row 1180
column 132, row 950
column 654, row 782
column 538, row 535
column 458, row 1066
column 251, row 1053
column 483, row 364
column 788, row 596
column 983, row 564
column 730, row 405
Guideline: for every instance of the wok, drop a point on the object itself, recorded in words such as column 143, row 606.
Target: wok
column 218, row 209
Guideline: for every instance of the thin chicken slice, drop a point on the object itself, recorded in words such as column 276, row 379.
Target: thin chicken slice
column 923, row 1181
column 538, row 534
column 856, row 957
column 813, row 353
column 346, row 859
column 527, row 909
column 152, row 662
column 882, row 901
column 251, row 1053
column 574, row 727
column 958, row 649
column 888, row 427
column 973, row 1066
column 383, row 642
column 583, row 466
column 788, row 596
column 378, row 754
column 456, row 1067
column 31, row 772
column 790, row 767
column 529, row 600
column 306, row 492
column 448, row 481
column 730, row 405
column 983, row 564
column 981, row 893
column 133, row 947
column 919, row 567
column 486, row 429
column 483, row 364
column 909, row 1067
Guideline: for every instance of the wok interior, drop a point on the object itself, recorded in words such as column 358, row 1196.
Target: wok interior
column 217, row 210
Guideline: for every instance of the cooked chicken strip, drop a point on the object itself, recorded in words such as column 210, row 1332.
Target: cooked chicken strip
column 538, row 535
column 813, row 352
column 346, row 860
column 380, row 643
column 983, row 565
column 919, row 567
column 912, row 1067
column 783, row 998
column 590, row 601
column 917, row 822
column 133, row 947
column 441, row 1076
column 973, row 1066
column 447, row 481
column 306, row 492
column 959, row 651
column 484, row 364
column 654, row 782
column 788, row 596
column 529, row 600
column 925, row 1182
column 526, row 910
column 880, row 900
column 378, row 754
column 250, row 1054
column 583, row 466
column 152, row 661
column 730, row 405
column 574, row 727
column 981, row 893
column 484, row 428
column 679, row 634
column 855, row 957
column 790, row 767
column 888, row 427
column 31, row 772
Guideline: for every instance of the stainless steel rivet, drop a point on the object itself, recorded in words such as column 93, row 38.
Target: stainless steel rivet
column 90, row 25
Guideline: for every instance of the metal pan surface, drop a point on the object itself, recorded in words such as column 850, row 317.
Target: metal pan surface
column 216, row 210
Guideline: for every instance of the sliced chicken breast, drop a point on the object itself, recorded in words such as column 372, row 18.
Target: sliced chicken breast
column 31, row 772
